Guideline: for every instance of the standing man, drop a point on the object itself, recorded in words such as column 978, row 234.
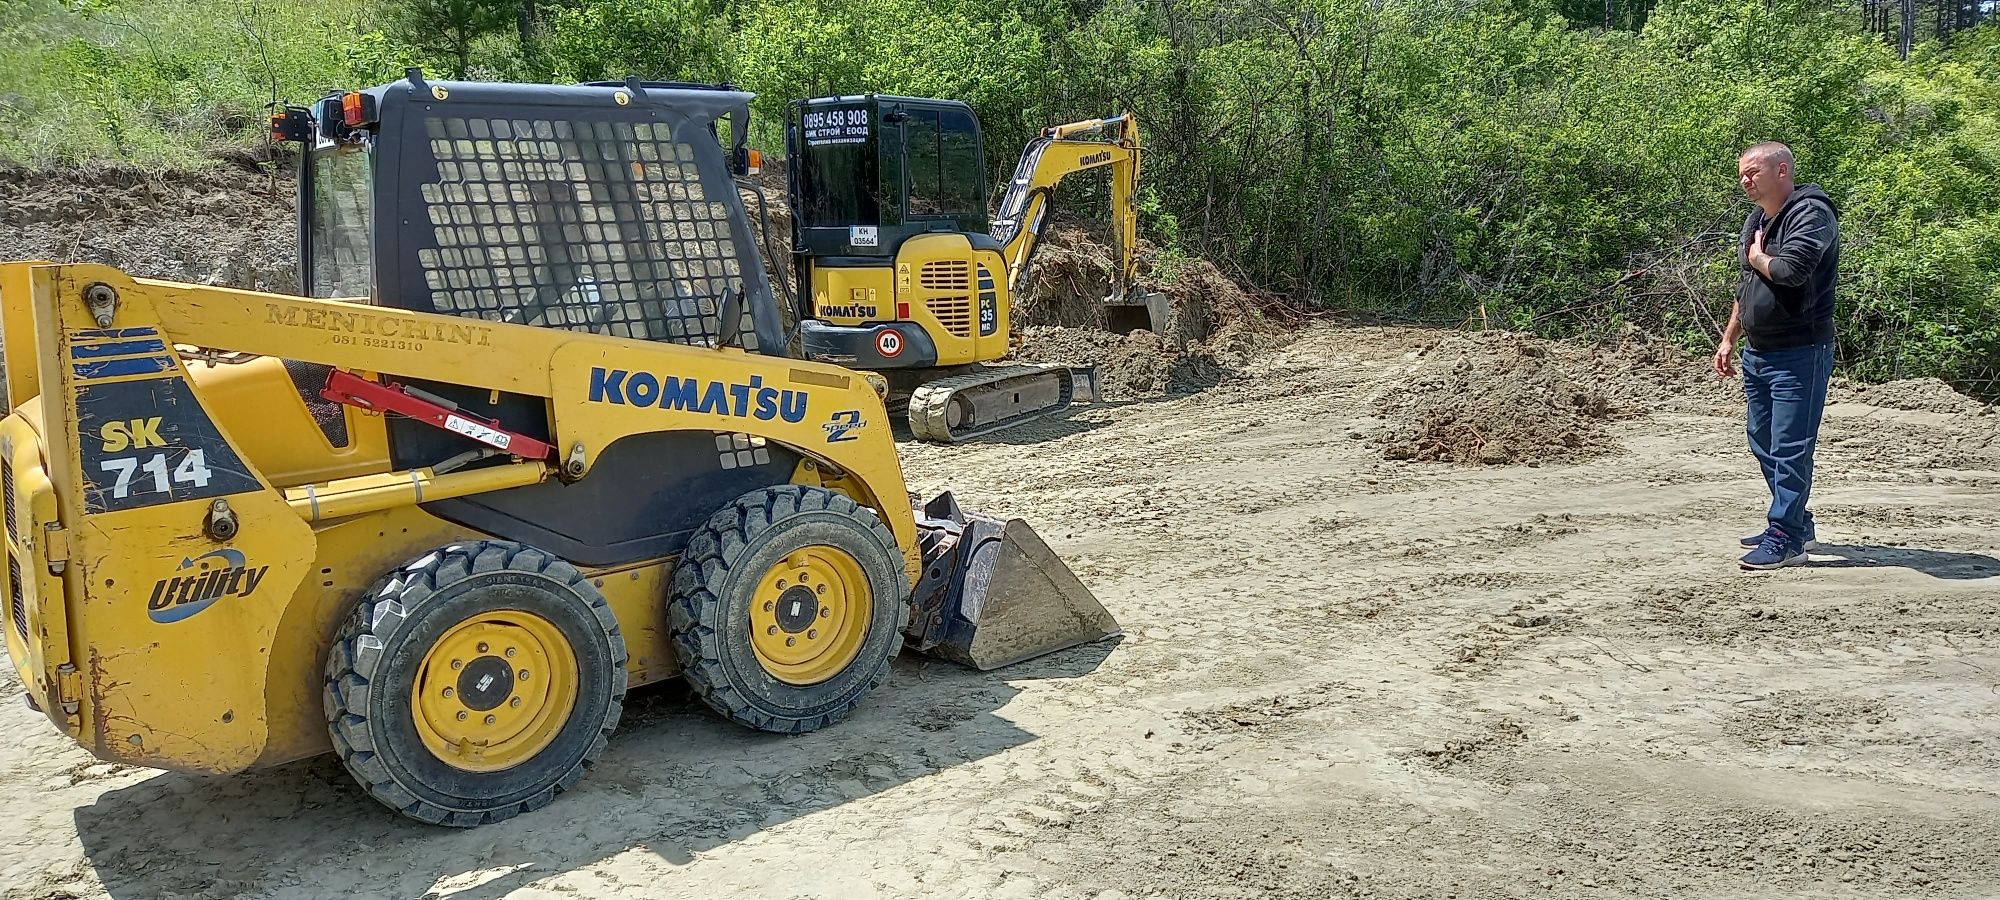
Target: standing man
column 1789, row 250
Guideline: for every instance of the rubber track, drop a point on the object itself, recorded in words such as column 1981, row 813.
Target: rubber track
column 929, row 402
column 358, row 652
column 712, row 554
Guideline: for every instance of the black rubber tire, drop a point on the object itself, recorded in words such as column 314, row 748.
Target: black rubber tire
column 374, row 660
column 715, row 583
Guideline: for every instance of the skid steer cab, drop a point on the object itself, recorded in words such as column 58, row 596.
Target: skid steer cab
column 531, row 443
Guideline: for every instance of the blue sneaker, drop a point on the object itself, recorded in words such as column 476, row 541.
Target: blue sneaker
column 1752, row 541
column 1776, row 551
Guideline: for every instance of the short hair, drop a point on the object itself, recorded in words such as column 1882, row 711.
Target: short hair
column 1771, row 150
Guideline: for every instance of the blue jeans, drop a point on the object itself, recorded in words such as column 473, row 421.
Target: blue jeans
column 1786, row 390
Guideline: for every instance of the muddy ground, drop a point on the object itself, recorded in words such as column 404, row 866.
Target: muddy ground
column 1409, row 615
column 1344, row 675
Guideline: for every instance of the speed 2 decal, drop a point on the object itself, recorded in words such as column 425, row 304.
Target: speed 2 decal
column 149, row 442
column 843, row 426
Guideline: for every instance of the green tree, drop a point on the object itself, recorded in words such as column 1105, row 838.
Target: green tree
column 679, row 40
column 448, row 28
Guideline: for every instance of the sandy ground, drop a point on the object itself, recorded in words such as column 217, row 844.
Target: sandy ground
column 1343, row 676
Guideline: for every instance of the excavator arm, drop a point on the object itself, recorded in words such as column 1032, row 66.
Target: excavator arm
column 1058, row 152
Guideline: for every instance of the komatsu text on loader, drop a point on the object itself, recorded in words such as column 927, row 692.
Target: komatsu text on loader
column 531, row 441
column 900, row 270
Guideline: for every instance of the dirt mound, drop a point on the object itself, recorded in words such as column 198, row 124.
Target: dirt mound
column 1075, row 264
column 1141, row 363
column 1495, row 398
column 1214, row 325
column 220, row 227
column 1642, row 374
column 1913, row 394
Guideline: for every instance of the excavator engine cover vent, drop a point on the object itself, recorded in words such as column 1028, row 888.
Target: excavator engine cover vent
column 949, row 285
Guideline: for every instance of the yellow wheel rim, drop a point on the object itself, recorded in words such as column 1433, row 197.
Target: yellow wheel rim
column 810, row 616
column 495, row 690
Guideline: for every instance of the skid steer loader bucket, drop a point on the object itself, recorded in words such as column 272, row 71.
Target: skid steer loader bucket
column 993, row 594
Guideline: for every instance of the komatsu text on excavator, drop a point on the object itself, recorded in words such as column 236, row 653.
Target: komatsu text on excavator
column 901, row 270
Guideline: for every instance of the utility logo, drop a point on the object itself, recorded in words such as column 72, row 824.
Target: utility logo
column 203, row 580
column 851, row 311
column 844, row 422
column 1103, row 156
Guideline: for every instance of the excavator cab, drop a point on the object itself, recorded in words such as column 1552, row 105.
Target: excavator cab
column 896, row 268
column 874, row 171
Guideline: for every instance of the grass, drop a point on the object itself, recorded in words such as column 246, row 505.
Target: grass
column 161, row 84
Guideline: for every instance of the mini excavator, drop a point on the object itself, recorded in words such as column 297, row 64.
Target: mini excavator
column 899, row 271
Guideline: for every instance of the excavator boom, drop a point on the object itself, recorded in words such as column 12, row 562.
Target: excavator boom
column 1057, row 153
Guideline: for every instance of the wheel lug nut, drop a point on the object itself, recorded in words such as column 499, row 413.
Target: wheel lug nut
column 482, row 646
column 822, row 589
column 448, row 692
column 524, row 675
column 791, row 641
column 489, row 720
column 824, row 612
column 458, row 664
column 461, row 715
column 781, row 584
column 510, row 653
column 812, row 634
column 771, row 629
column 768, row 606
column 516, row 703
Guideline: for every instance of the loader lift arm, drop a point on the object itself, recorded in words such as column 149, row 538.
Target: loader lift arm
column 1057, row 153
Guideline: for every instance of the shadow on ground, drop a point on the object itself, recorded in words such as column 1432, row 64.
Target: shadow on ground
column 676, row 780
column 1935, row 563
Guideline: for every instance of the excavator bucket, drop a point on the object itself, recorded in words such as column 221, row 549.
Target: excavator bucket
column 1126, row 312
column 993, row 594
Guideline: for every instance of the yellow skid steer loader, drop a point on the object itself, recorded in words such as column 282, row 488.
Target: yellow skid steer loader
column 531, row 442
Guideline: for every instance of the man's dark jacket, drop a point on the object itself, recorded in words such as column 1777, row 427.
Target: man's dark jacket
column 1794, row 306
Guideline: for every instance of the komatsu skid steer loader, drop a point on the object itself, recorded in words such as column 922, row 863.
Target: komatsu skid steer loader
column 531, row 442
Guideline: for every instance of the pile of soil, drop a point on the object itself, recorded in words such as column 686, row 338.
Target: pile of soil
column 1075, row 264
column 1495, row 398
column 1214, row 325
column 1646, row 374
column 1913, row 394
column 223, row 226
column 1142, row 363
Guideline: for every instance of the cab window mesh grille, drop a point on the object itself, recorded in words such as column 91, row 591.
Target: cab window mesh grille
column 601, row 226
